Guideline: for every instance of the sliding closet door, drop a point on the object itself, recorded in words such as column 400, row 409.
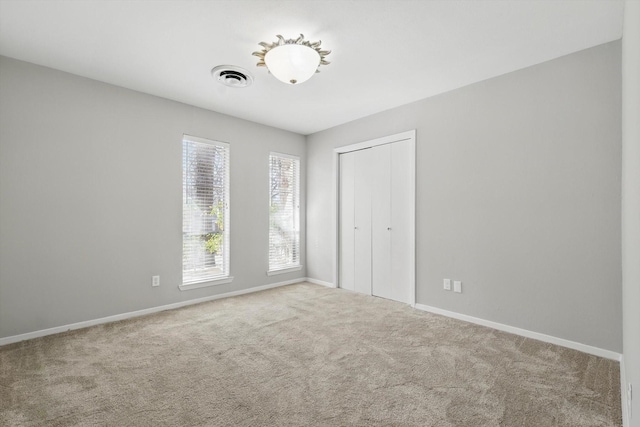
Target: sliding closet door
column 362, row 221
column 347, row 221
column 402, row 219
column 381, row 230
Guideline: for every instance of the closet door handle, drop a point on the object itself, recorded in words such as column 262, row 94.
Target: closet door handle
column 388, row 228
column 355, row 228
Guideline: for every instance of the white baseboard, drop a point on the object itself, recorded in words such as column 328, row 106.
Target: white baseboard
column 607, row 354
column 131, row 314
column 523, row 332
column 320, row 282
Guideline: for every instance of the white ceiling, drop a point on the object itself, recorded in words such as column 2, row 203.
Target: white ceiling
column 384, row 53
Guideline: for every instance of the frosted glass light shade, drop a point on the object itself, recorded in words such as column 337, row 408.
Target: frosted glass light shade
column 292, row 63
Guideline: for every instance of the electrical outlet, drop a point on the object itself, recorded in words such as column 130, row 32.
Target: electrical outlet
column 447, row 284
column 457, row 286
column 155, row 280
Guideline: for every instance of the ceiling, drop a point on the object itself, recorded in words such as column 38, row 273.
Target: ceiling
column 384, row 53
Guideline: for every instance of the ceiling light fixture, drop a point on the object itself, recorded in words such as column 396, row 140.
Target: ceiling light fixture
column 292, row 61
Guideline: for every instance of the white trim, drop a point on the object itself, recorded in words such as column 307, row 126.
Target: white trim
column 335, row 208
column 403, row 136
column 320, row 282
column 499, row 326
column 284, row 270
column 607, row 354
column 412, row 219
column 205, row 283
column 288, row 156
column 623, row 394
column 205, row 140
column 132, row 314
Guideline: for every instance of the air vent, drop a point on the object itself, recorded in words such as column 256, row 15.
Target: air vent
column 232, row 76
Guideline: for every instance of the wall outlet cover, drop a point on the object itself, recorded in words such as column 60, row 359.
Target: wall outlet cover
column 155, row 281
column 457, row 286
column 447, row 284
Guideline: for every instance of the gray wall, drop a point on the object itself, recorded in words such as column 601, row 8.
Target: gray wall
column 518, row 196
column 631, row 202
column 91, row 198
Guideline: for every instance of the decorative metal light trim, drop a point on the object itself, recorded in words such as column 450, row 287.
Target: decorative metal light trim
column 299, row 41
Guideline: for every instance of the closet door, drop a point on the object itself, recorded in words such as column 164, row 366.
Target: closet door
column 377, row 219
column 347, row 221
column 402, row 215
column 362, row 221
column 381, row 230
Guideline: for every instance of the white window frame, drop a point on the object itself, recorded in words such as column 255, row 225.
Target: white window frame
column 288, row 267
column 226, row 276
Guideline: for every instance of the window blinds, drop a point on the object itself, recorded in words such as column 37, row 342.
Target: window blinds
column 205, row 210
column 284, row 211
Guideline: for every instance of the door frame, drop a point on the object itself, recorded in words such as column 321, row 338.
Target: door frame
column 403, row 136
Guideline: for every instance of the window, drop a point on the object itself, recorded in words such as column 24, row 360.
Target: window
column 284, row 212
column 205, row 212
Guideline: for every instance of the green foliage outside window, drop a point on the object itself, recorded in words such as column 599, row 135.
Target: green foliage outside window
column 213, row 241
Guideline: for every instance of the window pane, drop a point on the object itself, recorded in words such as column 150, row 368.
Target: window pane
column 284, row 212
column 205, row 212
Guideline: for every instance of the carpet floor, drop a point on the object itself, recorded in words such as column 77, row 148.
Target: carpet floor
column 302, row 355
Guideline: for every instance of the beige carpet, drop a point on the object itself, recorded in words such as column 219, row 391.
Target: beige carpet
column 302, row 355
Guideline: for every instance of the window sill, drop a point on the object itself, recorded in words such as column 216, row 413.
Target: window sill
column 205, row 283
column 284, row 270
